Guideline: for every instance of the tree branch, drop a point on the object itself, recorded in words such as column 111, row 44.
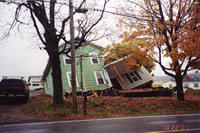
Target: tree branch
column 66, row 20
column 35, row 25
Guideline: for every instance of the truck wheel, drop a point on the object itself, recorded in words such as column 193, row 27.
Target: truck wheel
column 24, row 100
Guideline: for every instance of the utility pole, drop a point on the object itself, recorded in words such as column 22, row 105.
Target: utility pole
column 81, row 70
column 73, row 69
column 84, row 94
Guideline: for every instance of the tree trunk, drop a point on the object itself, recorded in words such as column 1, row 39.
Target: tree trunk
column 57, row 79
column 179, row 85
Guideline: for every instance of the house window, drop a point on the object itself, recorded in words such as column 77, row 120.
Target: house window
column 67, row 60
column 186, row 85
column 69, row 77
column 133, row 76
column 94, row 58
column 196, row 85
column 99, row 77
column 170, row 85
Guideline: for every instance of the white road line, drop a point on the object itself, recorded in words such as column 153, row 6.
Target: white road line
column 100, row 119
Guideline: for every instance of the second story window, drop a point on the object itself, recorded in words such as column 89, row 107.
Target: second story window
column 67, row 60
column 94, row 58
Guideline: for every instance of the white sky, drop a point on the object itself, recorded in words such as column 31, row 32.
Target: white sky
column 22, row 57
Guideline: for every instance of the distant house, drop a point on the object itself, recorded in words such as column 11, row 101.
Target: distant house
column 169, row 84
column 123, row 79
column 94, row 76
column 35, row 82
column 191, row 81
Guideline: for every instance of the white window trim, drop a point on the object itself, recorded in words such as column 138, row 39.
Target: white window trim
column 68, row 78
column 131, row 77
column 92, row 53
column 97, row 79
column 65, row 57
column 196, row 85
column 185, row 85
column 170, row 86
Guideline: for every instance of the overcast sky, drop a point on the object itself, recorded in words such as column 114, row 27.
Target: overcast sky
column 22, row 57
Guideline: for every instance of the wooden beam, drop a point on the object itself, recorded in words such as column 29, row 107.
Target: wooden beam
column 118, row 73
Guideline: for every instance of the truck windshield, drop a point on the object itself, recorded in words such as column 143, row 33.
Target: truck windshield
column 11, row 83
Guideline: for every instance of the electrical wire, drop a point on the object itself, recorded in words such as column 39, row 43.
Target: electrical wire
column 92, row 9
column 65, row 3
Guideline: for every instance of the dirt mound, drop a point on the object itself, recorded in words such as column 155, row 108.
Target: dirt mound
column 192, row 92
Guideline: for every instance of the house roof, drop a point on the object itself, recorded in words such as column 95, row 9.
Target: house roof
column 117, row 61
column 96, row 46
column 87, row 43
column 114, row 62
column 192, row 78
column 48, row 66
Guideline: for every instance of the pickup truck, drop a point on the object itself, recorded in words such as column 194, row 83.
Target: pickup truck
column 14, row 89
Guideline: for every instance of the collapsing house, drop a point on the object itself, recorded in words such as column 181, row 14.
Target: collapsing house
column 96, row 75
column 123, row 79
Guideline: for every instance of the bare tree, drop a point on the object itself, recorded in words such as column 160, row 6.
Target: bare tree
column 50, row 23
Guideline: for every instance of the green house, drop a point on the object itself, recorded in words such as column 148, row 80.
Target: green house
column 94, row 75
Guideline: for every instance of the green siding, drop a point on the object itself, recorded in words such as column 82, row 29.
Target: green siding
column 49, row 84
column 88, row 71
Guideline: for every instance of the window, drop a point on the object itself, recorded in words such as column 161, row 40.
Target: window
column 94, row 58
column 170, row 85
column 133, row 76
column 186, row 85
column 12, row 83
column 67, row 60
column 196, row 85
column 69, row 77
column 99, row 78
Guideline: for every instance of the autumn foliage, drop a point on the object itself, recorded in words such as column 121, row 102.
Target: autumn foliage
column 41, row 108
column 169, row 29
column 132, row 52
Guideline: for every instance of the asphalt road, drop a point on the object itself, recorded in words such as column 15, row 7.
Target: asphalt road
column 185, row 123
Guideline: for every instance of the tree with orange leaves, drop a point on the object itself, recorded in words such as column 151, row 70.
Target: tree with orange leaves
column 169, row 29
column 133, row 53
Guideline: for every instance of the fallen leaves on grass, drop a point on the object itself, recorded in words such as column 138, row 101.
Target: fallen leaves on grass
column 41, row 108
column 116, row 107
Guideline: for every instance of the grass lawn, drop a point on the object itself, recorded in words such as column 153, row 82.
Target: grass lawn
column 41, row 108
column 102, row 107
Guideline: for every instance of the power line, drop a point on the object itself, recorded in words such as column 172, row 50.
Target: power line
column 65, row 3
column 92, row 9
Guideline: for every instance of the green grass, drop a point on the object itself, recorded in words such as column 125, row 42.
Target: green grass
column 50, row 109
column 97, row 108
